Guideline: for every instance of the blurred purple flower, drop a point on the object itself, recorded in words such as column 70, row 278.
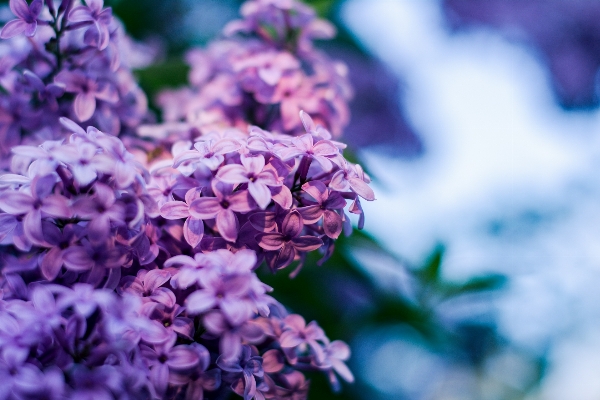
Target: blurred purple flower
column 86, row 90
column 101, row 17
column 26, row 21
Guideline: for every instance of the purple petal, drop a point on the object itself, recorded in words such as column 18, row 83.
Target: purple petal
column 16, row 202
column 282, row 196
column 285, row 257
column 77, row 259
column 332, row 224
column 42, row 186
column 261, row 193
column 103, row 40
column 200, row 301
column 193, row 231
column 164, row 296
column 254, row 164
column 30, row 29
column 35, row 8
column 182, row 357
column 232, row 173
column 335, row 201
column 241, row 202
column 205, row 208
column 342, row 370
column 71, row 125
column 270, row 241
column 273, row 361
column 249, row 385
column 7, row 224
column 98, row 228
column 290, row 339
column 34, row 80
column 215, row 323
column 51, row 263
column 57, row 206
column 84, row 106
column 95, row 5
column 228, row 225
column 237, row 311
column 107, row 92
column 13, row 28
column 307, row 243
column 362, row 189
column 316, row 189
column 155, row 279
column 339, row 182
column 325, row 148
column 19, row 8
column 263, row 222
column 268, row 177
column 325, row 162
column 175, row 210
column 32, row 225
column 303, row 143
column 81, row 13
column 230, row 346
column 159, row 376
column 307, row 121
column 311, row 214
column 225, row 146
column 292, row 224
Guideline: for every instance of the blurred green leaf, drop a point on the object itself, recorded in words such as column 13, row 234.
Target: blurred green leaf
column 477, row 284
column 430, row 273
column 169, row 74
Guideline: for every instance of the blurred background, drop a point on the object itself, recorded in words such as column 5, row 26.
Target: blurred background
column 477, row 274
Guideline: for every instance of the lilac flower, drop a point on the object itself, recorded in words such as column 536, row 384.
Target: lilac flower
column 48, row 92
column 304, row 145
column 253, row 172
column 336, row 353
column 328, row 202
column 101, row 209
column 299, row 335
column 83, row 298
column 52, row 261
column 223, row 208
column 101, row 18
column 86, row 90
column 209, row 152
column 165, row 358
column 289, row 240
column 228, row 293
column 145, row 283
column 87, row 256
column 33, row 206
column 248, row 367
column 26, row 21
column 232, row 338
column 352, row 177
column 193, row 228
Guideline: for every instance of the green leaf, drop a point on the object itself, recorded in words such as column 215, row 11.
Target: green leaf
column 431, row 272
column 477, row 284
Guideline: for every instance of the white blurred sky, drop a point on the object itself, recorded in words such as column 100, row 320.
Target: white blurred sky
column 509, row 181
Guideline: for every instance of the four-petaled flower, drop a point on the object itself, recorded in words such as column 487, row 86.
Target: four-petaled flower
column 26, row 21
column 288, row 240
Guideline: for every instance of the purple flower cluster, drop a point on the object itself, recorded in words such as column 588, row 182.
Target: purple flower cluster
column 264, row 74
column 281, row 196
column 121, row 282
column 69, row 61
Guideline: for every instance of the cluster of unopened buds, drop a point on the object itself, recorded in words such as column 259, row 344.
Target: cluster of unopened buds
column 136, row 278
